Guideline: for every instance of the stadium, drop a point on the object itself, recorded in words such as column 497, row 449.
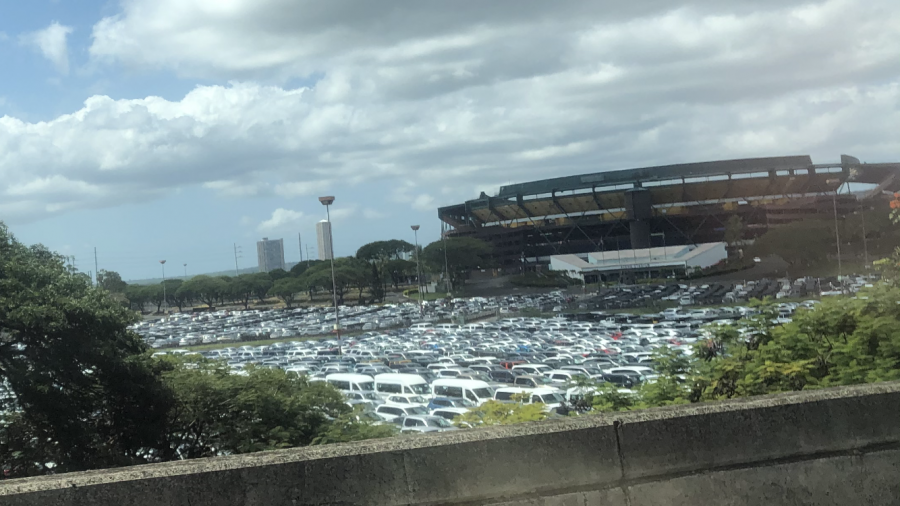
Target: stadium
column 651, row 207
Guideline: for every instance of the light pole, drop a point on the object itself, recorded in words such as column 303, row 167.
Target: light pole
column 327, row 201
column 165, row 299
column 415, row 229
column 185, row 272
column 837, row 234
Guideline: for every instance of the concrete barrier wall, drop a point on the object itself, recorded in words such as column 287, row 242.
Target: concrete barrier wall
column 827, row 447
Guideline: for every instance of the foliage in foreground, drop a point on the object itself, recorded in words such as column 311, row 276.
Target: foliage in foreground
column 842, row 341
column 79, row 391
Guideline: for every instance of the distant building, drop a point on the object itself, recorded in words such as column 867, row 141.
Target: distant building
column 640, row 263
column 270, row 254
column 323, row 234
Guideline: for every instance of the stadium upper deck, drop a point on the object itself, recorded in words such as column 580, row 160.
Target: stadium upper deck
column 678, row 204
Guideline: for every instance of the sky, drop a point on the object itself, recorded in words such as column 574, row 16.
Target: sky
column 179, row 129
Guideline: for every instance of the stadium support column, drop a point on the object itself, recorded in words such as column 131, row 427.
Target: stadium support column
column 638, row 210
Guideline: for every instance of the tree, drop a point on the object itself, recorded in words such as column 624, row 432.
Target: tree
column 207, row 289
column 137, row 296
column 174, row 297
column 298, row 269
column 276, row 274
column 348, row 272
column 499, row 413
column 379, row 254
column 83, row 393
column 111, row 281
column 349, row 427
column 242, row 289
column 463, row 255
column 799, row 243
column 262, row 283
column 399, row 271
column 217, row 412
column 155, row 295
column 287, row 289
column 734, row 230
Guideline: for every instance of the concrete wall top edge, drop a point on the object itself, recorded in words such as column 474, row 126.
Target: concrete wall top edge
column 403, row 443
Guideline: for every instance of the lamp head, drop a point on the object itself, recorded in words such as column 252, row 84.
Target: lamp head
column 414, row 227
column 326, row 201
column 162, row 261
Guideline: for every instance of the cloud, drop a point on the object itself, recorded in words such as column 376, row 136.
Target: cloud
column 52, row 43
column 423, row 202
column 440, row 100
column 281, row 219
column 372, row 214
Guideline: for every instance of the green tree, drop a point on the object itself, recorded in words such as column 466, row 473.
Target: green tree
column 800, row 243
column 734, row 230
column 287, row 289
column 262, row 283
column 138, row 296
column 83, row 393
column 399, row 271
column 276, row 274
column 379, row 254
column 155, row 295
column 218, row 412
column 348, row 427
column 111, row 281
column 173, row 296
column 243, row 288
column 463, row 255
column 348, row 272
column 499, row 413
column 207, row 289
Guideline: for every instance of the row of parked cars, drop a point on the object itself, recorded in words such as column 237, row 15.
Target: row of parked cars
column 619, row 297
column 424, row 376
column 190, row 329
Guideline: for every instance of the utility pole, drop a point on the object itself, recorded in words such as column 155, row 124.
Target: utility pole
column 97, row 269
column 837, row 236
column 235, row 260
column 300, row 243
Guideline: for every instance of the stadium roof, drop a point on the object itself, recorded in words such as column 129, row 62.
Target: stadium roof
column 674, row 189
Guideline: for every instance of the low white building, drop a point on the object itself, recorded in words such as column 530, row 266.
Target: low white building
column 640, row 263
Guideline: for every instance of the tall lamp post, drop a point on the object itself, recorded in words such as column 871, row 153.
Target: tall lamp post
column 837, row 234
column 415, row 229
column 327, row 201
column 165, row 299
column 185, row 272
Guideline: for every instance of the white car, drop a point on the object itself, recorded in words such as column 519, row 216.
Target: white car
column 406, row 400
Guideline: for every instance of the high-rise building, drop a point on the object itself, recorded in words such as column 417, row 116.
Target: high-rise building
column 270, row 254
column 323, row 234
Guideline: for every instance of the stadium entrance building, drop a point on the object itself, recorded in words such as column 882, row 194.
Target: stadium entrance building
column 636, row 264
column 673, row 205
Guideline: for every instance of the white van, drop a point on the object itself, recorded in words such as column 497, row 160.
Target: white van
column 476, row 391
column 349, row 382
column 551, row 398
column 388, row 384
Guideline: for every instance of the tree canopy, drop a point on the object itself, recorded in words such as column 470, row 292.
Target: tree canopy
column 463, row 254
column 83, row 394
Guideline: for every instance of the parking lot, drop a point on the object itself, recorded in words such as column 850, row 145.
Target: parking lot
column 425, row 374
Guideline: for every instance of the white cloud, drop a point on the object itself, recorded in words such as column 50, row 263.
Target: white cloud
column 281, row 219
column 52, row 42
column 439, row 99
column 372, row 214
column 423, row 202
